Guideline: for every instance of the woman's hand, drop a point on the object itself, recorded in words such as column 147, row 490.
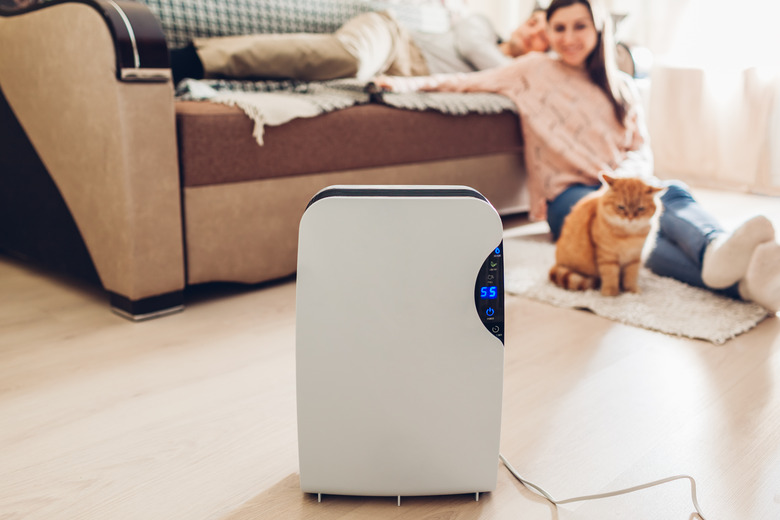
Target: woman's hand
column 439, row 82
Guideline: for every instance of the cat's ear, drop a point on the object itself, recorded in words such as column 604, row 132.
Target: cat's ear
column 654, row 189
column 606, row 178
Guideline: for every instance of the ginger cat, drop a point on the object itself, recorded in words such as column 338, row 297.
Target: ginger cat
column 602, row 238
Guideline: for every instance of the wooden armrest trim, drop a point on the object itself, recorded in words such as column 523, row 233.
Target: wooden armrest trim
column 136, row 58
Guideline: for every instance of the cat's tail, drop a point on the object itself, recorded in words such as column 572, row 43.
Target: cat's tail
column 567, row 278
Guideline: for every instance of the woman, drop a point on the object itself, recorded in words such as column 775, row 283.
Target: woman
column 580, row 117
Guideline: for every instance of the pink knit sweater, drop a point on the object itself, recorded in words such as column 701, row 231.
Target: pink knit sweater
column 568, row 124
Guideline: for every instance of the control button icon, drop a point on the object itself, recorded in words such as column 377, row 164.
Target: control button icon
column 490, row 311
column 493, row 264
column 495, row 329
column 498, row 251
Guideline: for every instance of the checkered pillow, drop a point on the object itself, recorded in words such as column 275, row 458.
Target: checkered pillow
column 183, row 20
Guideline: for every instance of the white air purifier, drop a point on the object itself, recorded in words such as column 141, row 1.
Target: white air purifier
column 399, row 341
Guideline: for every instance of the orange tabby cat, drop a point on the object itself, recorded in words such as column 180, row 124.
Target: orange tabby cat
column 603, row 236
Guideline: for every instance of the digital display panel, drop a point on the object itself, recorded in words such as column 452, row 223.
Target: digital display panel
column 488, row 292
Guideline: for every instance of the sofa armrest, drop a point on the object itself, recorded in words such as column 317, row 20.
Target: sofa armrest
column 139, row 42
column 89, row 83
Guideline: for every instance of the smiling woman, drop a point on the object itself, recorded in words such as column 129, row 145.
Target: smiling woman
column 572, row 34
column 580, row 32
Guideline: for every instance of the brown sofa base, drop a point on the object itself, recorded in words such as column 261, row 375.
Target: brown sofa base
column 217, row 147
column 247, row 232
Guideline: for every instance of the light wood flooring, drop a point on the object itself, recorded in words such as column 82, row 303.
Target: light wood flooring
column 192, row 416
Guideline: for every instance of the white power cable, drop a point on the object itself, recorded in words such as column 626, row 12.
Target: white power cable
column 555, row 502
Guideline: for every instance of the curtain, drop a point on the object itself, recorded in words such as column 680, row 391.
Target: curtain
column 714, row 107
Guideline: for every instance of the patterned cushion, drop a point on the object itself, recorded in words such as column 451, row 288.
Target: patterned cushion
column 183, row 20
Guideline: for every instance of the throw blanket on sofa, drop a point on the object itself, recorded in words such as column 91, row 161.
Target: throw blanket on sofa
column 277, row 102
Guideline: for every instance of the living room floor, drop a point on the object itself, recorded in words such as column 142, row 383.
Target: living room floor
column 192, row 416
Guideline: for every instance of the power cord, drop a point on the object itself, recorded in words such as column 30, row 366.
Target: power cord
column 555, row 502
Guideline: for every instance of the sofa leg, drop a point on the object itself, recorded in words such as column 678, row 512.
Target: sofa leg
column 147, row 308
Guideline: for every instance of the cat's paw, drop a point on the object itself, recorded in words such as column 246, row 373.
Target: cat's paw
column 609, row 290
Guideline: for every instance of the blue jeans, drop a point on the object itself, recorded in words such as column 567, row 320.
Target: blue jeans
column 685, row 230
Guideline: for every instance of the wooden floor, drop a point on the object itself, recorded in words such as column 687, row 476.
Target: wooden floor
column 192, row 416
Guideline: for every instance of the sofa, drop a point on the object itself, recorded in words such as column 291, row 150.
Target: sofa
column 106, row 175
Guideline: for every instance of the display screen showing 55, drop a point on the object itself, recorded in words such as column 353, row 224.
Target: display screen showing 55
column 489, row 292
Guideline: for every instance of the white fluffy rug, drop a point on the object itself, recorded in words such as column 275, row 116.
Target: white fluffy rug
column 663, row 305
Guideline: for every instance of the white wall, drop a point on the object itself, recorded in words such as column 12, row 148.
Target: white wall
column 508, row 14
column 505, row 14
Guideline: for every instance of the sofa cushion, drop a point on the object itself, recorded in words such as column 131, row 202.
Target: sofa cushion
column 216, row 144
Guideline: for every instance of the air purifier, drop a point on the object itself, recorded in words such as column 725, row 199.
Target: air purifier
column 399, row 341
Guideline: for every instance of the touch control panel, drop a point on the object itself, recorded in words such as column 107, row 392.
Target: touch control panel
column 489, row 292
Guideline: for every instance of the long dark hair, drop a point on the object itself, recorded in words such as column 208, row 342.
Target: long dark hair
column 601, row 64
